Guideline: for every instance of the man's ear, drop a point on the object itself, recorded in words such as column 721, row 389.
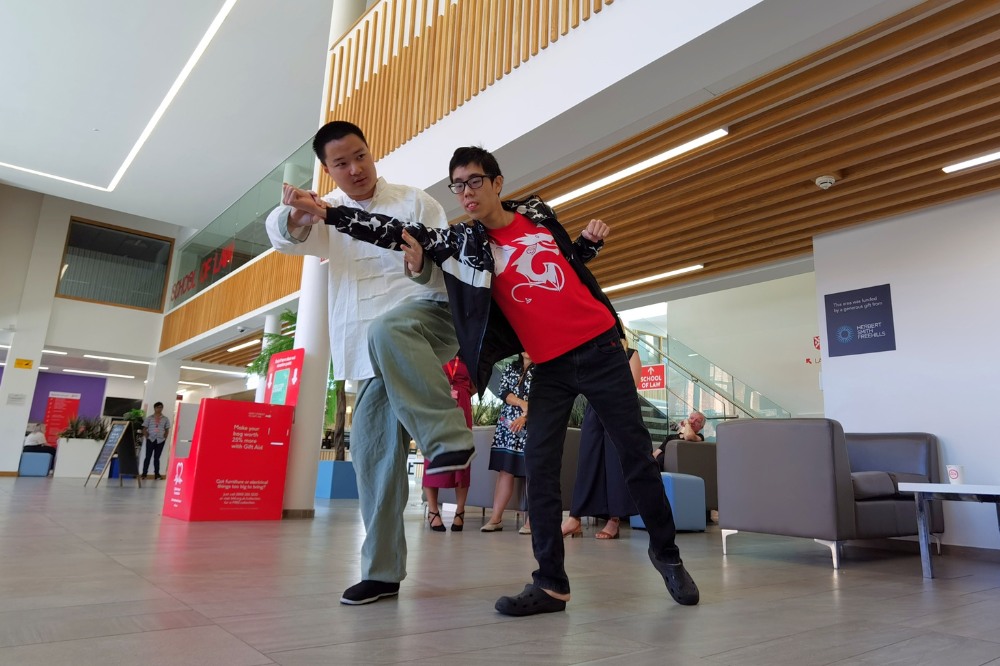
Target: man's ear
column 498, row 184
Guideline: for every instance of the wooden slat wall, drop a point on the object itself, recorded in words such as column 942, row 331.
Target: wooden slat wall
column 272, row 277
column 396, row 76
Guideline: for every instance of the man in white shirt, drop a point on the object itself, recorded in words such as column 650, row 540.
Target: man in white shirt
column 396, row 352
column 156, row 427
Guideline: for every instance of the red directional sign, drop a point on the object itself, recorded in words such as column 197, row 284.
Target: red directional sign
column 653, row 377
column 284, row 373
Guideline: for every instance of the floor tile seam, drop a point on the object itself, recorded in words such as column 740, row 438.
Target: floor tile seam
column 769, row 640
column 919, row 635
column 118, row 633
column 394, row 636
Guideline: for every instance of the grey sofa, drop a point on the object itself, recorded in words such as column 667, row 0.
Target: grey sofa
column 806, row 478
column 696, row 459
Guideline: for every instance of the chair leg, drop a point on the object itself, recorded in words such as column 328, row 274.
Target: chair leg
column 835, row 548
column 726, row 533
column 936, row 538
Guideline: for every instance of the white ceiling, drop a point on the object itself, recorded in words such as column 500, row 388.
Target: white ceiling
column 81, row 80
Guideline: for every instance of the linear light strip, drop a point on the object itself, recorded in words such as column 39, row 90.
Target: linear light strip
column 243, row 346
column 115, row 358
column 971, row 163
column 174, row 89
column 194, row 384
column 99, row 374
column 220, row 372
column 53, row 351
column 157, row 115
column 636, row 168
column 653, row 278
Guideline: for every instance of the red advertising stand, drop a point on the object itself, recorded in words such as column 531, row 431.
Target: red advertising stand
column 235, row 468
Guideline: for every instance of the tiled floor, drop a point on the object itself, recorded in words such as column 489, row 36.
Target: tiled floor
column 97, row 576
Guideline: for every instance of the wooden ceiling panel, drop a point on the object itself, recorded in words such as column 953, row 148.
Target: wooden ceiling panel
column 882, row 111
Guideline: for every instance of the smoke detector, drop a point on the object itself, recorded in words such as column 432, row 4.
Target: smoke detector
column 825, row 182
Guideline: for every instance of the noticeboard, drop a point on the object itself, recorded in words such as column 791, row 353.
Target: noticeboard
column 127, row 461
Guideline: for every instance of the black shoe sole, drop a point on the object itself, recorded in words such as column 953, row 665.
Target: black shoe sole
column 370, row 600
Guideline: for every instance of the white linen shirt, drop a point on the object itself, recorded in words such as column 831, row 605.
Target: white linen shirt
column 365, row 281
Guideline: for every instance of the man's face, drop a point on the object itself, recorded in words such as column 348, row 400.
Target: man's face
column 350, row 164
column 696, row 421
column 482, row 202
column 158, row 410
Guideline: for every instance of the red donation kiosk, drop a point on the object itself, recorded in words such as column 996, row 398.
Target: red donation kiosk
column 235, row 468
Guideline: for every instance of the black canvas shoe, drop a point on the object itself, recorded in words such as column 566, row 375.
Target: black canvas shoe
column 368, row 591
column 679, row 582
column 451, row 461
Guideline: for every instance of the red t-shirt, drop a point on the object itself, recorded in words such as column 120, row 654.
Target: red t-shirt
column 551, row 310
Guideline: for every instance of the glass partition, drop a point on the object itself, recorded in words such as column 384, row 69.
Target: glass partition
column 237, row 235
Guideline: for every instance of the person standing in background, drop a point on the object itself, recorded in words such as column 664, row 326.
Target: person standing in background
column 461, row 390
column 507, row 452
column 155, row 429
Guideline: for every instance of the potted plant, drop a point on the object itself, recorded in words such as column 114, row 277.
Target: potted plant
column 79, row 444
column 135, row 418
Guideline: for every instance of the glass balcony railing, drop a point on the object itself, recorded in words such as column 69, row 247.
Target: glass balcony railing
column 237, row 235
column 682, row 390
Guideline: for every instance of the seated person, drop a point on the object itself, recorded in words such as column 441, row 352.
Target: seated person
column 689, row 430
column 36, row 443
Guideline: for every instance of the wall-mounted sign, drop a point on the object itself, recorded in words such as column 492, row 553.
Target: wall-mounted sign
column 653, row 377
column 24, row 363
column 860, row 321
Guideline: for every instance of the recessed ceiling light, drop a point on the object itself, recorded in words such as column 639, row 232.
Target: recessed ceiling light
column 194, row 384
column 636, row 168
column 4, row 346
column 115, row 358
column 968, row 164
column 43, row 367
column 99, row 374
column 654, row 278
column 53, row 351
column 151, row 125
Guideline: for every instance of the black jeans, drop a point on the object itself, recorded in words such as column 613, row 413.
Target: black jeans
column 599, row 370
column 153, row 450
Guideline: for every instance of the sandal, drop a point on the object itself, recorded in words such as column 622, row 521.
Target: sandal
column 606, row 536
column 572, row 534
column 531, row 601
column 456, row 527
column 431, row 515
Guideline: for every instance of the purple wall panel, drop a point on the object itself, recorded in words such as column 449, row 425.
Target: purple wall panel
column 91, row 390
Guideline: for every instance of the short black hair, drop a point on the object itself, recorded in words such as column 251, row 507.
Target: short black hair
column 474, row 155
column 333, row 131
column 157, row 404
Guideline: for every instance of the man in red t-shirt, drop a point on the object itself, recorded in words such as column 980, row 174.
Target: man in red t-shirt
column 515, row 257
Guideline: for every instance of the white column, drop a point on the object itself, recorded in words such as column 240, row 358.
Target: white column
column 17, row 388
column 161, row 386
column 272, row 324
column 312, row 334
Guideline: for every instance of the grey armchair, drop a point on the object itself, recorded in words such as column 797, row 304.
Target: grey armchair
column 806, row 478
column 697, row 459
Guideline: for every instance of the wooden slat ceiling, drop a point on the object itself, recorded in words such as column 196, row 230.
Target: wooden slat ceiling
column 882, row 111
column 239, row 358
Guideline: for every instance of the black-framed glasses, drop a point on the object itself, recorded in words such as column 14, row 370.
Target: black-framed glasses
column 473, row 183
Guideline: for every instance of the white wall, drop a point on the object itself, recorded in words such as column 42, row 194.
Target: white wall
column 941, row 265
column 19, row 210
column 762, row 334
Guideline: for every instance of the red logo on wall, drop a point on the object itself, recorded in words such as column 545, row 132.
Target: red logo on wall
column 653, row 377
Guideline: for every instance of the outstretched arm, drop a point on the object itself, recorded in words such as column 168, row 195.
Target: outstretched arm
column 376, row 228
